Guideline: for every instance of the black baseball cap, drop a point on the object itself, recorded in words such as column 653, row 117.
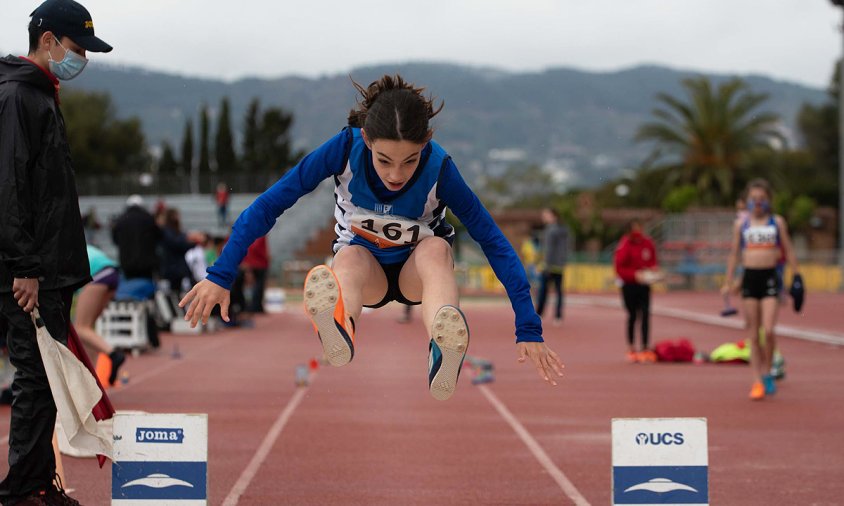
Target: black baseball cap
column 69, row 19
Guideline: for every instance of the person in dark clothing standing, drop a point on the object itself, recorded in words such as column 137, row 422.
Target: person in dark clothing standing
column 636, row 266
column 554, row 254
column 43, row 257
column 137, row 236
column 174, row 245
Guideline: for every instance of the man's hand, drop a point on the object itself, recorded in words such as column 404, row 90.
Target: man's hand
column 205, row 295
column 544, row 359
column 25, row 291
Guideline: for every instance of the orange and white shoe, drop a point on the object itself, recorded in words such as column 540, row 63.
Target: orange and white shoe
column 324, row 305
column 632, row 357
column 757, row 392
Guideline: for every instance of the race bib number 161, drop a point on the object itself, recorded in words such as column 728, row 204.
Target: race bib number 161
column 387, row 231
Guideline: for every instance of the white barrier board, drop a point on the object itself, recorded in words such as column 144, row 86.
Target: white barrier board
column 160, row 459
column 660, row 461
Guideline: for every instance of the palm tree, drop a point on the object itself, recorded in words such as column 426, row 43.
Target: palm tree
column 712, row 134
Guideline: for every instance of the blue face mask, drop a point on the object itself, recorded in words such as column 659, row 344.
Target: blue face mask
column 763, row 205
column 70, row 66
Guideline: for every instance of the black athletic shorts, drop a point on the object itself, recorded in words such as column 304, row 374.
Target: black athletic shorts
column 760, row 283
column 392, row 272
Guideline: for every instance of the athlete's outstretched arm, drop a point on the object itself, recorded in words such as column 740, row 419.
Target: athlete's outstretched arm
column 257, row 220
column 466, row 206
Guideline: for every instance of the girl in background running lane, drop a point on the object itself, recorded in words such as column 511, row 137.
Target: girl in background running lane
column 392, row 187
column 760, row 239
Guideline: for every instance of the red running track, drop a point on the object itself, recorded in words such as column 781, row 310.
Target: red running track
column 369, row 433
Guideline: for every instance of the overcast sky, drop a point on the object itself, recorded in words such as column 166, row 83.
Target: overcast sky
column 796, row 40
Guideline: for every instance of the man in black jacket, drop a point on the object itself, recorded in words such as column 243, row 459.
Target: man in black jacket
column 136, row 236
column 43, row 259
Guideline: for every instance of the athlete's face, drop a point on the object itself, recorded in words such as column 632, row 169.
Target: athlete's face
column 395, row 161
column 758, row 202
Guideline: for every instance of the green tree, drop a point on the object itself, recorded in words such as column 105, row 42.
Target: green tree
column 99, row 142
column 223, row 143
column 711, row 133
column 187, row 148
column 167, row 164
column 204, row 159
column 818, row 127
column 273, row 146
column 679, row 199
column 250, row 136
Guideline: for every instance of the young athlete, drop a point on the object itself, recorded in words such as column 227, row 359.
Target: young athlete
column 392, row 187
column 761, row 238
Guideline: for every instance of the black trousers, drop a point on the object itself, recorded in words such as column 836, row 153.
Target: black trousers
column 637, row 301
column 32, row 465
column 547, row 279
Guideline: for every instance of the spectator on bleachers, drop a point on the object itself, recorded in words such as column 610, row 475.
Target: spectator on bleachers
column 174, row 245
column 222, row 199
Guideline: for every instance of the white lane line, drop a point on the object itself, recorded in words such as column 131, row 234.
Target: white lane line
column 565, row 484
column 263, row 450
column 818, row 336
column 152, row 373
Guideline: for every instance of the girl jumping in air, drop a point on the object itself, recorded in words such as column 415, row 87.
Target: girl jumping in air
column 761, row 238
column 392, row 187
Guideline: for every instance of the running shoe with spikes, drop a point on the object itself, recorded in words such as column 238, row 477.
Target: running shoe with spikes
column 324, row 305
column 446, row 351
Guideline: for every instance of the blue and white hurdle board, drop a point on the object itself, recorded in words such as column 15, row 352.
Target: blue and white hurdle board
column 160, row 459
column 660, row 461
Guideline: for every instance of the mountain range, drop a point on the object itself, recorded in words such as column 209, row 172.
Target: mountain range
column 578, row 124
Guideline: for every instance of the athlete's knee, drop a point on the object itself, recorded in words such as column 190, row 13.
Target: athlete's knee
column 434, row 249
column 351, row 255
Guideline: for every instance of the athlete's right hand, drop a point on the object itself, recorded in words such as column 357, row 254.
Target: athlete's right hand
column 727, row 289
column 25, row 291
column 202, row 298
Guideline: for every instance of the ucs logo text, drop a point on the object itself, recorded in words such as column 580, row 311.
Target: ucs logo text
column 159, row 435
column 659, row 438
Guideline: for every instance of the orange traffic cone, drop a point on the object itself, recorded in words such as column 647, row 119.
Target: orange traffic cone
column 103, row 369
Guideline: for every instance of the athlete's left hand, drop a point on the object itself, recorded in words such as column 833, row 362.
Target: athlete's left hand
column 546, row 361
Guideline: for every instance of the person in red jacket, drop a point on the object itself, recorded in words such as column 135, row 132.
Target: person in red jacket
column 254, row 267
column 636, row 266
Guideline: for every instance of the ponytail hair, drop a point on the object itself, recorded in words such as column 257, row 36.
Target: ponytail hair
column 393, row 109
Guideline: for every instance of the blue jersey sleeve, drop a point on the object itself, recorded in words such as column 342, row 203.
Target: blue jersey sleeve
column 257, row 219
column 463, row 202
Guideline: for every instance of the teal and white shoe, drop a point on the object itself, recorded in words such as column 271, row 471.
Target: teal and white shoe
column 449, row 342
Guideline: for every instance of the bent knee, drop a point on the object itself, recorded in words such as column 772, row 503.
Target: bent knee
column 434, row 249
column 352, row 253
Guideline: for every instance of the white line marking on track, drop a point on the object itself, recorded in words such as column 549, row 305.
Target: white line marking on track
column 565, row 484
column 266, row 445
column 818, row 336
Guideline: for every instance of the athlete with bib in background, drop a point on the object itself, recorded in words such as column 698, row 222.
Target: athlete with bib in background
column 392, row 187
column 761, row 238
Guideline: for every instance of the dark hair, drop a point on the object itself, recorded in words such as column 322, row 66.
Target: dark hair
column 762, row 184
column 35, row 33
column 172, row 219
column 393, row 109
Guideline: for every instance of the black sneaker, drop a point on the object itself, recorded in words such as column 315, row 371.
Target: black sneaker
column 56, row 496
column 117, row 358
column 34, row 499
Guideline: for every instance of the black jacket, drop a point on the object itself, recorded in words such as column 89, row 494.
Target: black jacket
column 41, row 233
column 137, row 236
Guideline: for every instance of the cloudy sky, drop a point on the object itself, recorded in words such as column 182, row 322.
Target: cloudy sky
column 796, row 40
